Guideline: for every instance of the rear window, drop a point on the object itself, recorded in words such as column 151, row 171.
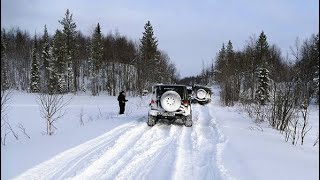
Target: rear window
column 181, row 90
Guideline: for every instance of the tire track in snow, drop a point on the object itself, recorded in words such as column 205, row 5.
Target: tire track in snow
column 124, row 139
column 184, row 162
column 220, row 145
column 163, row 166
column 166, row 151
column 113, row 153
column 204, row 146
column 65, row 162
column 146, row 153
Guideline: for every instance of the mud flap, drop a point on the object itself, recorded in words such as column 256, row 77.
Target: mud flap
column 151, row 120
column 188, row 121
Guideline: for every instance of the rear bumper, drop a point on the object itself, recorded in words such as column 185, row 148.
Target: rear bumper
column 168, row 115
column 202, row 100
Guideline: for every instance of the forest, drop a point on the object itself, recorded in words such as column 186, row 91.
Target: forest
column 69, row 61
column 270, row 87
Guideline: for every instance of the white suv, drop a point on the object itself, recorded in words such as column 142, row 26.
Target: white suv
column 170, row 103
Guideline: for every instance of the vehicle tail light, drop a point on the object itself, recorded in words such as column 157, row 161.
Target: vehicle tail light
column 185, row 102
column 152, row 102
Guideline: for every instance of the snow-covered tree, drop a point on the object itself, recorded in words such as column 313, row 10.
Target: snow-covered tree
column 316, row 81
column 34, row 79
column 262, row 93
column 4, row 65
column 316, row 74
column 69, row 33
column 53, row 74
column 308, row 66
column 95, row 60
column 45, row 58
column 59, row 63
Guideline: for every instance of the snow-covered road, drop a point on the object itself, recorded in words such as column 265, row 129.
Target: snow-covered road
column 136, row 151
column 223, row 143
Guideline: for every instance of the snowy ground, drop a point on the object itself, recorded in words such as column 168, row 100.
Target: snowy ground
column 222, row 144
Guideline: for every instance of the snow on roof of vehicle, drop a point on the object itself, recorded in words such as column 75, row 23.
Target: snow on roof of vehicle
column 198, row 85
column 169, row 85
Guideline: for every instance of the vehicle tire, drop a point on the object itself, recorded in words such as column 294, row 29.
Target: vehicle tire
column 151, row 120
column 170, row 101
column 201, row 93
column 188, row 121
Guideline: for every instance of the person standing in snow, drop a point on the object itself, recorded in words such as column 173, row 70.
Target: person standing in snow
column 122, row 101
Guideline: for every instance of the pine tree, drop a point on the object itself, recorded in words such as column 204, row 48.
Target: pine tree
column 220, row 68
column 53, row 83
column 34, row 79
column 4, row 64
column 95, row 60
column 316, row 82
column 230, row 61
column 259, row 60
column 69, row 33
column 45, row 57
column 148, row 49
column 316, row 69
column 262, row 51
column 262, row 94
column 227, row 75
column 59, row 61
column 231, row 74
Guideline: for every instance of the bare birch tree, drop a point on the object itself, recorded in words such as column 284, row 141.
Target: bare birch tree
column 51, row 109
column 6, row 127
column 305, row 125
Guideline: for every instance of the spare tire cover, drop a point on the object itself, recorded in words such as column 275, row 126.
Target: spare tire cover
column 170, row 101
column 201, row 93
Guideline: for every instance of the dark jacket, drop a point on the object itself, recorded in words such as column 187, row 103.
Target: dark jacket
column 122, row 99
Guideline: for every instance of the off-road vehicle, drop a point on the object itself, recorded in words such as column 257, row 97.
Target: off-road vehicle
column 170, row 103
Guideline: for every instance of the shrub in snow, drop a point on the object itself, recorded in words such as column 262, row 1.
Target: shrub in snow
column 81, row 117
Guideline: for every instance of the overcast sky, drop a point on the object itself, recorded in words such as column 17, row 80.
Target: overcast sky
column 191, row 32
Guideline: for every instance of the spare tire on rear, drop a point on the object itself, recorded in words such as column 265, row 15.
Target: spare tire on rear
column 201, row 93
column 170, row 101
